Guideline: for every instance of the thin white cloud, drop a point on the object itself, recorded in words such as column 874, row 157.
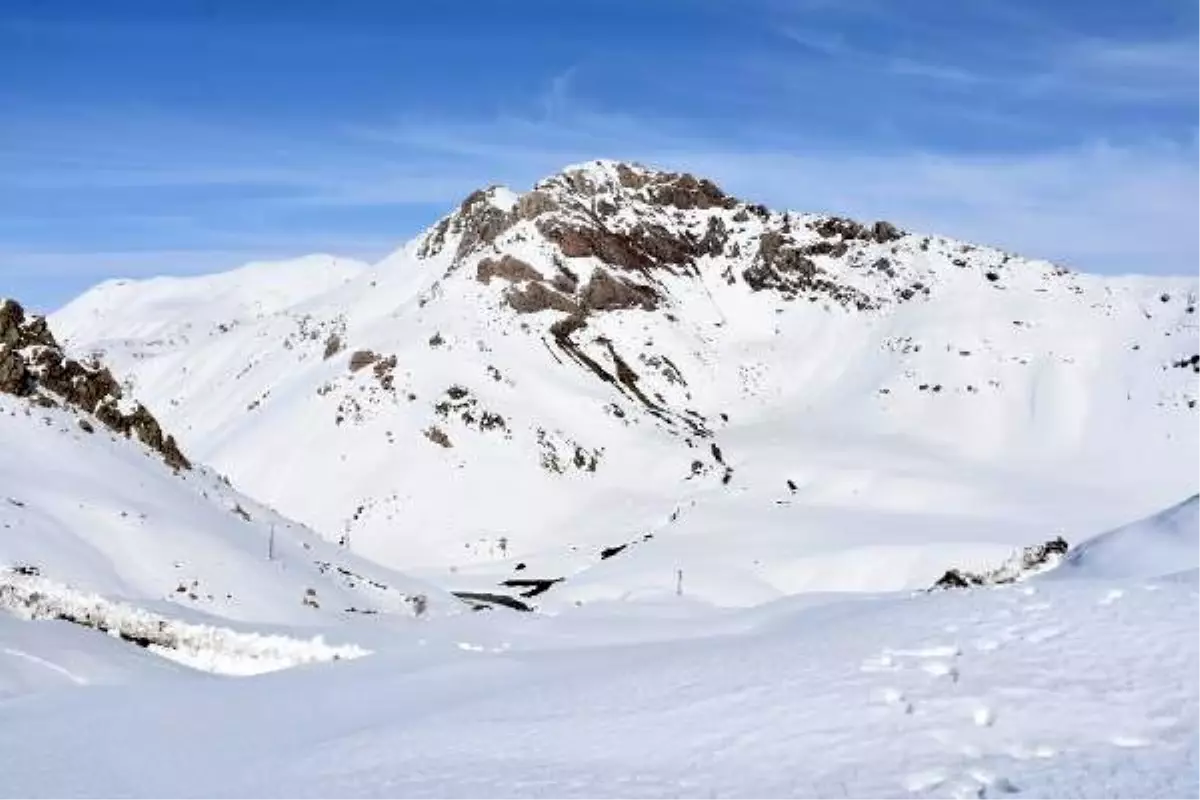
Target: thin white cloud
column 102, row 265
column 1108, row 207
column 1128, row 206
column 1095, row 207
column 937, row 72
column 1126, row 70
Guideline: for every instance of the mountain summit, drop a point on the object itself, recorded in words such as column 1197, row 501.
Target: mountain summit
column 624, row 376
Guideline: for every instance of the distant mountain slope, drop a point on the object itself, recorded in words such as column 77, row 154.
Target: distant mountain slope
column 87, row 507
column 765, row 401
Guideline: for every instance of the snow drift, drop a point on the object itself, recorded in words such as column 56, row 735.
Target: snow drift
column 1164, row 543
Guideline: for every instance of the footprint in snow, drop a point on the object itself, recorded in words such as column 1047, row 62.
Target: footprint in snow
column 941, row 669
column 967, row 789
column 1112, row 596
column 1022, row 753
column 1130, row 741
column 894, row 697
column 970, row 751
column 926, row 780
column 1043, row 634
column 935, row 651
column 986, row 645
column 880, row 663
column 983, row 716
column 990, row 780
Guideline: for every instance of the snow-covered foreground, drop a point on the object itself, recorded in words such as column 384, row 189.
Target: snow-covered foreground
column 1052, row 688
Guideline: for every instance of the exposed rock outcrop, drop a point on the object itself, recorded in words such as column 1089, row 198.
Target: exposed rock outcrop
column 1031, row 560
column 511, row 269
column 34, row 366
column 536, row 297
column 606, row 293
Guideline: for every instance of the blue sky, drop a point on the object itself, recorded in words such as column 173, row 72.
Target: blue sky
column 166, row 136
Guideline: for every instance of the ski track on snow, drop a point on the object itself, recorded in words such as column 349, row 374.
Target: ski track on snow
column 50, row 665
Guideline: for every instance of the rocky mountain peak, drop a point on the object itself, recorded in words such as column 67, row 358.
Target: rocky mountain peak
column 34, row 366
column 634, row 182
column 603, row 235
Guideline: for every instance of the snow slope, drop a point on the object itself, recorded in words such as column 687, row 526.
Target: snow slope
column 1166, row 542
column 47, row 657
column 106, row 524
column 768, row 402
column 1067, row 688
column 101, row 513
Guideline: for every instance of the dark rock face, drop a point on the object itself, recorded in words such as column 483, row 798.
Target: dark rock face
column 1031, row 559
column 687, row 192
column 832, row 227
column 361, row 359
column 631, row 179
column 534, row 204
column 333, row 346
column 678, row 190
column 716, row 235
column 612, row 248
column 565, row 281
column 881, row 232
column 884, row 232
column 782, row 267
column 562, row 329
column 481, row 224
column 477, row 221
column 606, row 293
column 33, row 365
column 511, row 269
column 635, row 221
column 536, row 297
column 662, row 246
column 14, row 377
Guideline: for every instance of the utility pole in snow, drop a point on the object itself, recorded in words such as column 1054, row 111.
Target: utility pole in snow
column 679, row 583
column 271, row 544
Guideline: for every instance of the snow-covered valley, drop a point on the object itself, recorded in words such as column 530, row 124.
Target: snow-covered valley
column 617, row 487
column 1081, row 687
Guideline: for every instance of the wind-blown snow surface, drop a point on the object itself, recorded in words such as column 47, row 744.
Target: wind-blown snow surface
column 1064, row 688
column 931, row 402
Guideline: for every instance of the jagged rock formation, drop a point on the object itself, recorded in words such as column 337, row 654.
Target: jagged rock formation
column 32, row 365
column 641, row 224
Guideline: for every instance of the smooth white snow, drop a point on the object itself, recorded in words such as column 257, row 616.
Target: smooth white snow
column 767, row 702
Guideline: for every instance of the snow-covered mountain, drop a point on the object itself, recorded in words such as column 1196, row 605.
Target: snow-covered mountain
column 620, row 386
column 105, row 521
column 632, row 380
